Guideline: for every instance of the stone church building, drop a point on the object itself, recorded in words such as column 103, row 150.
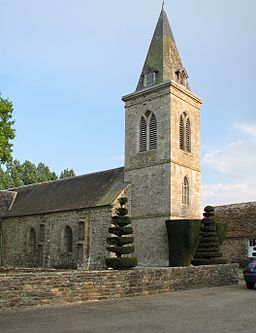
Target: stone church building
column 65, row 223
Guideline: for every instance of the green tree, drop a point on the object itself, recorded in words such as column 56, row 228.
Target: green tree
column 67, row 173
column 14, row 173
column 7, row 132
column 29, row 173
column 44, row 173
column 3, row 179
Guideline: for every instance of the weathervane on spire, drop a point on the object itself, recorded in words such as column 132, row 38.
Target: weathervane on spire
column 163, row 5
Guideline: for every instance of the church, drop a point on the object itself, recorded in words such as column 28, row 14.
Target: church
column 64, row 223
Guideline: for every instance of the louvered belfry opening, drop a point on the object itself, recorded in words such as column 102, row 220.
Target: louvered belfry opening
column 181, row 133
column 148, row 132
column 143, row 134
column 188, row 135
column 185, row 133
column 152, row 132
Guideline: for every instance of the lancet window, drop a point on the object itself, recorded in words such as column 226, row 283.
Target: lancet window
column 148, row 132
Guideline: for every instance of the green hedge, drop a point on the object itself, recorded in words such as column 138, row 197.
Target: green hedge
column 183, row 236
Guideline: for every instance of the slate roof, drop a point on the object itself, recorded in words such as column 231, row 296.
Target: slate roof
column 86, row 191
column 6, row 200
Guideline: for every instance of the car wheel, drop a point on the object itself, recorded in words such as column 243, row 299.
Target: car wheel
column 250, row 285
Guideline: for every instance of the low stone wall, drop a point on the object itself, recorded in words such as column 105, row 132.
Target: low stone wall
column 25, row 289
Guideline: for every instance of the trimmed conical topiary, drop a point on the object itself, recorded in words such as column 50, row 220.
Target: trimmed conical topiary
column 121, row 239
column 208, row 250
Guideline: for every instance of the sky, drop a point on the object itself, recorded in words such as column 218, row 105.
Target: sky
column 65, row 65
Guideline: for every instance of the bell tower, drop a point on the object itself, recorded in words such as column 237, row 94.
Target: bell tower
column 162, row 146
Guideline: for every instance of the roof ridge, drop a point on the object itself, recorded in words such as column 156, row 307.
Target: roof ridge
column 236, row 204
column 59, row 180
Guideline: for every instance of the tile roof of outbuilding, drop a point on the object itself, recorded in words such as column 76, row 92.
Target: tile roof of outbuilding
column 240, row 218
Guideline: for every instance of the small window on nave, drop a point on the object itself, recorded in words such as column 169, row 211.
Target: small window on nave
column 68, row 240
column 32, row 241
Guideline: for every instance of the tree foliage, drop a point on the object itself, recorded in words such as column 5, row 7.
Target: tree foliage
column 7, row 132
column 17, row 174
column 67, row 173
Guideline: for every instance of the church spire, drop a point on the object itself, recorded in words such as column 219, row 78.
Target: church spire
column 163, row 61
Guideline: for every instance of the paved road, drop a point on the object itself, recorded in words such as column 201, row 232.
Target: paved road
column 224, row 309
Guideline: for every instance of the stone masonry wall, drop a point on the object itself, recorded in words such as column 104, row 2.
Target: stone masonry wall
column 15, row 238
column 156, row 176
column 157, row 101
column 99, row 224
column 241, row 222
column 183, row 163
column 15, row 248
column 151, row 242
column 235, row 250
column 178, row 210
column 19, row 289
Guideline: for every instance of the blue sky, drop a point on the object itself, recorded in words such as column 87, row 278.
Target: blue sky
column 66, row 64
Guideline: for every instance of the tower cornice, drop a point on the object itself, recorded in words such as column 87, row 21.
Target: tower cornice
column 160, row 86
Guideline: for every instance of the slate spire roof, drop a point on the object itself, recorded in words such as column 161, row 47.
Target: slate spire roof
column 163, row 57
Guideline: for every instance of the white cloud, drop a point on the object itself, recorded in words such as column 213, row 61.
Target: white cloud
column 249, row 129
column 236, row 164
column 236, row 160
column 220, row 194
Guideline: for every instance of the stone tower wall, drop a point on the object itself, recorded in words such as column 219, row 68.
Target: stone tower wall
column 185, row 164
column 156, row 176
column 156, row 100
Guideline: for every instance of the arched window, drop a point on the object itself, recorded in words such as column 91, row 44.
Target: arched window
column 152, row 132
column 185, row 133
column 181, row 133
column 148, row 132
column 185, row 192
column 68, row 240
column 143, row 134
column 32, row 241
column 188, row 136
